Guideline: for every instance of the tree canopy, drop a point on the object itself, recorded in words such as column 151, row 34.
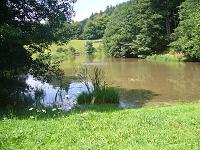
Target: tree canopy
column 187, row 35
column 141, row 27
column 27, row 27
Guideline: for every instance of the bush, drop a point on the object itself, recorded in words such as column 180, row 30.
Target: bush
column 89, row 48
column 60, row 50
column 72, row 49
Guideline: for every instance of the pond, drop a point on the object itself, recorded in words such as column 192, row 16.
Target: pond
column 140, row 82
column 145, row 82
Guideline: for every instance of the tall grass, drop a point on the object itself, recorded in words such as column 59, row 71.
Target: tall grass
column 100, row 94
column 107, row 95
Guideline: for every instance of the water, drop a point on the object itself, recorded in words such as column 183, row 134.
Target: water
column 140, row 82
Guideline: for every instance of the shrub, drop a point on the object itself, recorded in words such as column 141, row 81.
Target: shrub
column 72, row 49
column 60, row 50
column 89, row 48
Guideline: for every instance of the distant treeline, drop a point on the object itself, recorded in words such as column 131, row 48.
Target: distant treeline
column 92, row 28
column 145, row 27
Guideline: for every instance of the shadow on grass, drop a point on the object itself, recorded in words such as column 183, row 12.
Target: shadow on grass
column 47, row 114
column 134, row 98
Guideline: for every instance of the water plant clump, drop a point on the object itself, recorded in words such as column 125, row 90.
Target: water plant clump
column 100, row 93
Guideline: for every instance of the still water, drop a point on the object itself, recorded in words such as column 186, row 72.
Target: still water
column 141, row 82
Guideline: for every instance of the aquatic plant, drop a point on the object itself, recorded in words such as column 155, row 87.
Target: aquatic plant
column 39, row 97
column 107, row 95
column 100, row 94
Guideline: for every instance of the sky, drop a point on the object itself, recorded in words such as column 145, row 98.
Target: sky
column 84, row 8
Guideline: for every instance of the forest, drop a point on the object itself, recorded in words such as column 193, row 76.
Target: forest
column 141, row 28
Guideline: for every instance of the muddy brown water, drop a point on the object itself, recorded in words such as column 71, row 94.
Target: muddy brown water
column 141, row 82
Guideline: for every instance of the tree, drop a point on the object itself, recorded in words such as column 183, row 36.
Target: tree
column 119, row 31
column 134, row 29
column 28, row 27
column 95, row 27
column 187, row 35
column 89, row 48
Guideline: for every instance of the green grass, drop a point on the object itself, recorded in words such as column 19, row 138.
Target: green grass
column 166, row 58
column 106, row 127
column 79, row 45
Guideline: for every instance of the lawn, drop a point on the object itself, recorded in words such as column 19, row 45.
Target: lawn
column 105, row 127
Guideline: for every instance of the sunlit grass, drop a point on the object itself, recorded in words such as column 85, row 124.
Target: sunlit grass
column 79, row 45
column 105, row 127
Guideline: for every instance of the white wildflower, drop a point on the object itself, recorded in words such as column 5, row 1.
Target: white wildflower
column 31, row 109
column 44, row 111
column 32, row 117
column 54, row 109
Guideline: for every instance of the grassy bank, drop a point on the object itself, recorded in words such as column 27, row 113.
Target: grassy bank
column 166, row 58
column 78, row 45
column 106, row 127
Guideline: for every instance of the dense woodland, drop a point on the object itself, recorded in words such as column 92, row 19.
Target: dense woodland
column 132, row 29
column 145, row 27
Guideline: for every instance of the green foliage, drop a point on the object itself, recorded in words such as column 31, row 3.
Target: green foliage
column 99, row 94
column 166, row 58
column 187, row 35
column 103, row 127
column 72, row 50
column 22, row 34
column 38, row 97
column 84, row 98
column 60, row 50
column 133, row 30
column 94, row 28
column 140, row 27
column 89, row 48
column 107, row 95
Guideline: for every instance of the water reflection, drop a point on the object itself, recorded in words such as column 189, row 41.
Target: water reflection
column 65, row 99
